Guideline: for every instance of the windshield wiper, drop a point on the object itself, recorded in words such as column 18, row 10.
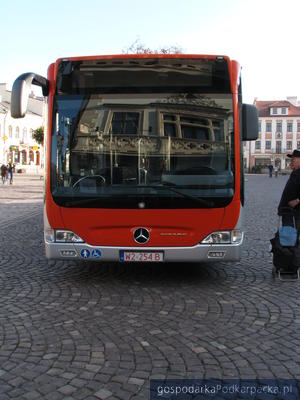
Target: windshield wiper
column 162, row 186
column 171, row 187
column 80, row 202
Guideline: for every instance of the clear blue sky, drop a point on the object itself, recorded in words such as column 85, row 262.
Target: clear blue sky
column 263, row 35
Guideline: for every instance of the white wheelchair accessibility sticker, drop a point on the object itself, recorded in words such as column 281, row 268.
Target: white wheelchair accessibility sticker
column 96, row 253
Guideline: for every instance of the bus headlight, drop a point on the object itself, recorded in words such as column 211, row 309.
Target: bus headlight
column 237, row 236
column 49, row 235
column 224, row 237
column 67, row 237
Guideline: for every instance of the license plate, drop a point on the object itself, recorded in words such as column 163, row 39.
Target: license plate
column 141, row 256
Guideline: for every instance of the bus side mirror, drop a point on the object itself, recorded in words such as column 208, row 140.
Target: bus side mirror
column 249, row 122
column 21, row 90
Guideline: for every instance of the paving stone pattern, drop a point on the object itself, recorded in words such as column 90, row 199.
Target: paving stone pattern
column 101, row 331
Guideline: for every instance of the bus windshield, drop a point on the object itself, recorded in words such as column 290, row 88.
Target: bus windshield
column 154, row 147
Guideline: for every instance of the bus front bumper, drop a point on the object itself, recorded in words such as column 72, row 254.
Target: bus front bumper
column 198, row 253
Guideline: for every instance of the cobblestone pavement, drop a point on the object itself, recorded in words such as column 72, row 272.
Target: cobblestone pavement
column 21, row 200
column 102, row 331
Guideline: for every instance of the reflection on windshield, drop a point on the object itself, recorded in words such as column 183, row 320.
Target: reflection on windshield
column 118, row 147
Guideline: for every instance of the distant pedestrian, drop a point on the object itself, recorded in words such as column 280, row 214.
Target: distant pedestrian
column 276, row 171
column 3, row 172
column 10, row 173
column 270, row 170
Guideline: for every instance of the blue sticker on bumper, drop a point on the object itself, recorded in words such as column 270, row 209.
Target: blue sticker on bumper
column 85, row 253
column 96, row 253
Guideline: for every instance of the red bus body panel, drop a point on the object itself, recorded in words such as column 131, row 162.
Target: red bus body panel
column 173, row 227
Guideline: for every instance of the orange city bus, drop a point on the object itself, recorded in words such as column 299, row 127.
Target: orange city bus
column 143, row 157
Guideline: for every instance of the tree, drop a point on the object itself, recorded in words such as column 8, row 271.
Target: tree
column 38, row 135
column 140, row 48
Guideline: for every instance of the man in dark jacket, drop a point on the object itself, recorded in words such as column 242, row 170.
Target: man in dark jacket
column 291, row 193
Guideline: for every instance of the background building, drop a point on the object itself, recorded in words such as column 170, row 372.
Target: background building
column 279, row 134
column 16, row 142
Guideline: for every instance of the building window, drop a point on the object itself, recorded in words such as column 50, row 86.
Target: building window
column 298, row 145
column 278, row 147
column 125, row 123
column 197, row 129
column 269, row 127
column 268, row 144
column 10, row 131
column 279, row 126
column 298, row 126
column 192, row 127
column 257, row 145
column 259, row 126
column 283, row 111
column 25, row 133
column 274, row 110
column 290, row 127
column 289, row 145
column 17, row 132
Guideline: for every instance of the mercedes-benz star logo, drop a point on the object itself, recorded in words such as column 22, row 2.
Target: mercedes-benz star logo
column 141, row 235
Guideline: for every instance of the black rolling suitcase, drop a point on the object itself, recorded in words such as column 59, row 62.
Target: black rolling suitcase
column 285, row 247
